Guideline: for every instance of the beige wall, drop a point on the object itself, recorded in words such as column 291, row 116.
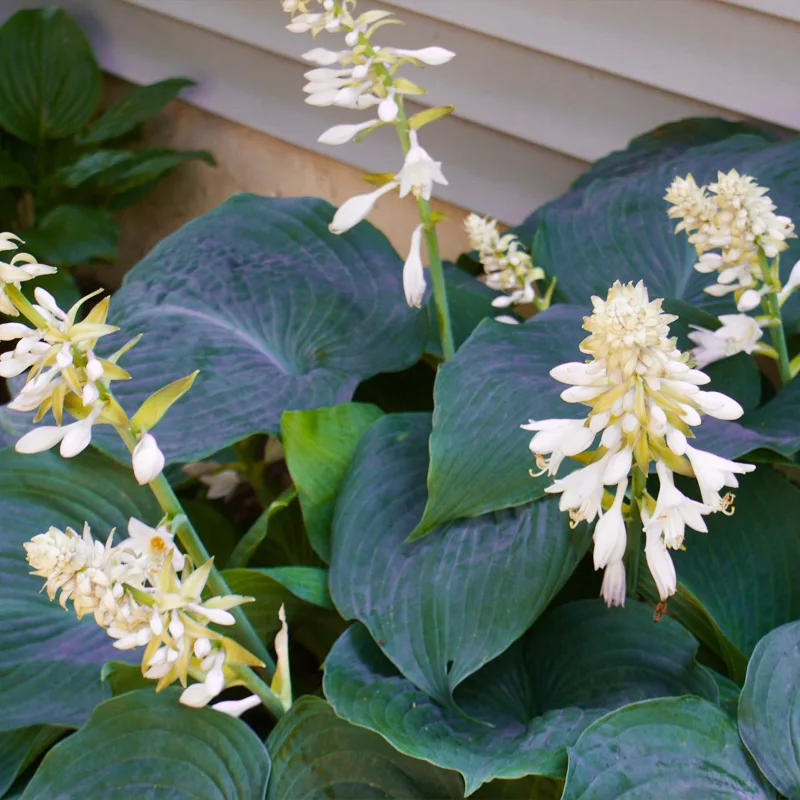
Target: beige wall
column 250, row 161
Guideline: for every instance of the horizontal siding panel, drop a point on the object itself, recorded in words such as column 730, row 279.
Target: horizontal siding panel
column 488, row 171
column 547, row 101
column 714, row 52
column 787, row 9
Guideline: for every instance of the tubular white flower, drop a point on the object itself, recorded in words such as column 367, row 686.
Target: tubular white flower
column 432, row 56
column 74, row 438
column 413, row 271
column 357, row 209
column 419, row 171
column 147, row 459
column 659, row 561
column 644, row 398
column 341, row 134
column 738, row 333
column 235, row 708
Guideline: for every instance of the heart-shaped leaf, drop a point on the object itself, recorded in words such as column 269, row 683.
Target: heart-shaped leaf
column 776, row 421
column 49, row 81
column 672, row 747
column 736, row 581
column 319, row 445
column 769, row 714
column 317, row 754
column 578, row 662
column 499, row 379
column 303, row 591
column 619, row 230
column 275, row 311
column 49, row 661
column 531, row 787
column 143, row 744
column 435, row 606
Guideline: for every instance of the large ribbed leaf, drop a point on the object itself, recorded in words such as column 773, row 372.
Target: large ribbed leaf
column 769, row 712
column 440, row 608
column 146, row 745
column 49, row 662
column 317, row 754
column 499, row 379
column 275, row 311
column 673, row 747
column 577, row 662
column 49, row 81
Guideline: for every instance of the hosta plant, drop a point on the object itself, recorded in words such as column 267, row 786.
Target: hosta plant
column 65, row 164
column 314, row 519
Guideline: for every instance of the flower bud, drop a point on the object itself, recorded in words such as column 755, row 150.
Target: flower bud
column 357, row 209
column 148, row 460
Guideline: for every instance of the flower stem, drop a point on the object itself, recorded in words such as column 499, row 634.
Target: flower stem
column 25, row 307
column 194, row 546
column 434, row 257
column 257, row 686
column 633, row 528
column 773, row 310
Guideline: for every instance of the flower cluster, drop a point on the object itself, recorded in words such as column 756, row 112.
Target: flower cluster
column 644, row 401
column 145, row 593
column 21, row 267
column 365, row 75
column 734, row 228
column 56, row 351
column 508, row 266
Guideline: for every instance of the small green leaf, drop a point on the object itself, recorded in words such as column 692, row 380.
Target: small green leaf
column 92, row 166
column 147, row 167
column 143, row 744
column 769, row 712
column 153, row 409
column 319, row 446
column 429, row 115
column 137, row 106
column 247, row 546
column 70, row 235
column 123, row 677
column 317, row 754
column 303, row 591
column 672, row 747
column 49, row 80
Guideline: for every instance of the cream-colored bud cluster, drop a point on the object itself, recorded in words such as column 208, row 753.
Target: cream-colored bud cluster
column 365, row 75
column 734, row 228
column 644, row 400
column 145, row 593
column 507, row 265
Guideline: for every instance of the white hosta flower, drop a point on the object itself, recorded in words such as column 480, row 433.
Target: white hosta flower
column 155, row 544
column 323, row 57
column 413, row 271
column 222, row 484
column 235, row 708
column 199, row 695
column 357, row 209
column 714, row 473
column 388, row 108
column 506, row 319
column 148, row 460
column 659, row 561
column 613, row 587
column 750, row 299
column 341, row 134
column 419, row 171
column 643, row 400
column 74, row 438
column 791, row 285
column 737, row 334
column 432, row 56
column 507, row 265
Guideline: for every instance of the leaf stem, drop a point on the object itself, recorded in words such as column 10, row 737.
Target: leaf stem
column 633, row 528
column 257, row 686
column 432, row 241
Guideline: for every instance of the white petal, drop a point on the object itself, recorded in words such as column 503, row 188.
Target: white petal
column 432, row 56
column 235, row 708
column 749, row 300
column 77, row 439
column 413, row 271
column 618, row 467
column 341, row 134
column 613, row 587
column 719, row 405
column 40, row 439
column 196, row 696
column 388, row 109
column 357, row 209
column 147, row 459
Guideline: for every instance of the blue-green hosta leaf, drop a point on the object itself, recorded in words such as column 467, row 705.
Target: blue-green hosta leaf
column 319, row 445
column 275, row 311
column 21, row 747
column 673, row 747
column 498, row 380
column 49, row 81
column 317, row 754
column 578, row 662
column 442, row 607
column 769, row 713
column 737, row 581
column 618, row 229
column 142, row 744
column 49, row 661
